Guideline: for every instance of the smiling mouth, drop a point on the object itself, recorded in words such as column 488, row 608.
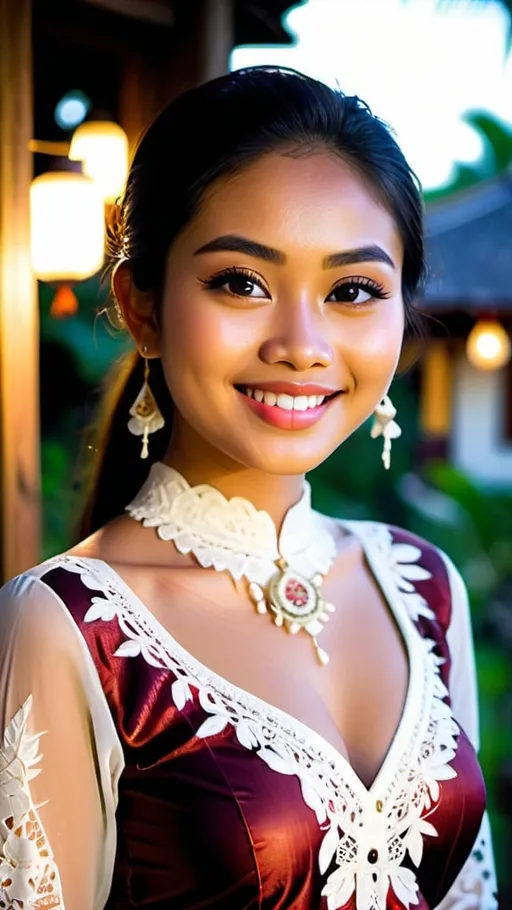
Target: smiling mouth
column 286, row 402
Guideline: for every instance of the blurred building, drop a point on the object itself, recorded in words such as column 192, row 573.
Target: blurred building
column 467, row 408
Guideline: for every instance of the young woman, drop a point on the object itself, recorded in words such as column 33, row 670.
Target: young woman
column 221, row 698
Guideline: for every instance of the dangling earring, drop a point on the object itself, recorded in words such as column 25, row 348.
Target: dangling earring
column 146, row 416
column 385, row 425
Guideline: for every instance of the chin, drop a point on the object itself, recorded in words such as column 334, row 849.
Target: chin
column 280, row 458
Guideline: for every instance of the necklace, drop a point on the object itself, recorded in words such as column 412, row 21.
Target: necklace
column 284, row 574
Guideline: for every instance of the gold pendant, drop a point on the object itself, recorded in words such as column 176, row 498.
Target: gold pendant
column 296, row 603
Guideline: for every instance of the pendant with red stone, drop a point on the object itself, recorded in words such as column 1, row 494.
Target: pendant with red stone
column 296, row 603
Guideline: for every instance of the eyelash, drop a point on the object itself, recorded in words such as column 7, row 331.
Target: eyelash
column 361, row 282
column 221, row 278
column 374, row 288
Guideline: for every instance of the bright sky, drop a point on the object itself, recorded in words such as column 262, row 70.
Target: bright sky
column 420, row 64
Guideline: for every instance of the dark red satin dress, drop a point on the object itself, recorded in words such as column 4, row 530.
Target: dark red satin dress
column 221, row 820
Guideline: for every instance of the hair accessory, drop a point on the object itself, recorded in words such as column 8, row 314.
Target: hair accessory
column 385, row 425
column 283, row 574
column 146, row 416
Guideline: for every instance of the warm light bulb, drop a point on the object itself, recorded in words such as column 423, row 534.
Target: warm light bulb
column 102, row 146
column 67, row 227
column 488, row 346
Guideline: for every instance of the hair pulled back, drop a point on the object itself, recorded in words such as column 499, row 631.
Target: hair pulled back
column 209, row 132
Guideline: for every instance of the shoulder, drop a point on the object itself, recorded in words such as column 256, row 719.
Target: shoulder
column 28, row 591
column 41, row 641
column 34, row 614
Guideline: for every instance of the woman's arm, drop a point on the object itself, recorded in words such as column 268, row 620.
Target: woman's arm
column 59, row 758
column 475, row 887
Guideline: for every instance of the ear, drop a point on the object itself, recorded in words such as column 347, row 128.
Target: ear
column 138, row 310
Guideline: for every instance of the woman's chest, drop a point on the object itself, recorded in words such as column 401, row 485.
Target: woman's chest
column 355, row 702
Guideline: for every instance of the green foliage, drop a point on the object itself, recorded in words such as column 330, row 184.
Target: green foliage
column 496, row 158
column 89, row 347
column 94, row 345
column 57, row 467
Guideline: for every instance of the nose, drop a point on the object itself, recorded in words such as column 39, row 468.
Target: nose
column 298, row 340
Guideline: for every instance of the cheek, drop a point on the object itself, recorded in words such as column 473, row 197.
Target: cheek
column 373, row 343
column 204, row 339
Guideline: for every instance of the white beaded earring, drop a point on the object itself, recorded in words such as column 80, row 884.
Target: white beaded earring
column 146, row 416
column 384, row 425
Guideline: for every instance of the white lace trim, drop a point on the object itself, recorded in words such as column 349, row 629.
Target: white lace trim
column 471, row 891
column 28, row 875
column 231, row 534
column 401, row 561
column 368, row 831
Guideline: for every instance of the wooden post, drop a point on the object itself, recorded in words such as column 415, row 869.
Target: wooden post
column 19, row 323
column 198, row 52
column 217, row 39
column 436, row 390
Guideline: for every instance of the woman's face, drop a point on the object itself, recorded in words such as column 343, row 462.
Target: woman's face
column 282, row 315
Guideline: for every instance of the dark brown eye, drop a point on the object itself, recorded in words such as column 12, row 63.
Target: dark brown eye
column 243, row 286
column 350, row 293
column 238, row 283
column 356, row 292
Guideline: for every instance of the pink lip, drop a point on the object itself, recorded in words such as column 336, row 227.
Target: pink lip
column 286, row 420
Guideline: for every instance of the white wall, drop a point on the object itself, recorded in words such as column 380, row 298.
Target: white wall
column 478, row 419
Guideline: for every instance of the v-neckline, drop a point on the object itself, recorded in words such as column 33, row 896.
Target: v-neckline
column 415, row 653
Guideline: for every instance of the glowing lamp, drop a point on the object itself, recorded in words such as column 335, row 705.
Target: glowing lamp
column 488, row 346
column 67, row 233
column 102, row 147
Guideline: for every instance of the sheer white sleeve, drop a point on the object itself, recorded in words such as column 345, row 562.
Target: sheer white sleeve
column 60, row 758
column 475, row 887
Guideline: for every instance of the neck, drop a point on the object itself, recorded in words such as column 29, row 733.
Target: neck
column 199, row 463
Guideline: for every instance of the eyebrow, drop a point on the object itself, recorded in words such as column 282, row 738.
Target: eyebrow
column 233, row 243
column 371, row 253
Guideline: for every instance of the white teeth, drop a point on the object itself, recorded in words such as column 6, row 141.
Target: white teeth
column 286, row 402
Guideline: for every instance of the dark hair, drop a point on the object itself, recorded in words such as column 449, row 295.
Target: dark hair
column 208, row 132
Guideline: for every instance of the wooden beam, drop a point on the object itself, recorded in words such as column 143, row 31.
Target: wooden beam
column 159, row 12
column 19, row 324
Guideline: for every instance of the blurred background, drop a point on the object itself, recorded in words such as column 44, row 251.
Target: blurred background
column 80, row 79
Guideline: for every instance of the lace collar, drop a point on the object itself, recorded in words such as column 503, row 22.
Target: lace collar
column 231, row 534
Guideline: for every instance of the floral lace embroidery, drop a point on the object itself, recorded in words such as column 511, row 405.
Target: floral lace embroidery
column 366, row 839
column 28, row 874
column 401, row 560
